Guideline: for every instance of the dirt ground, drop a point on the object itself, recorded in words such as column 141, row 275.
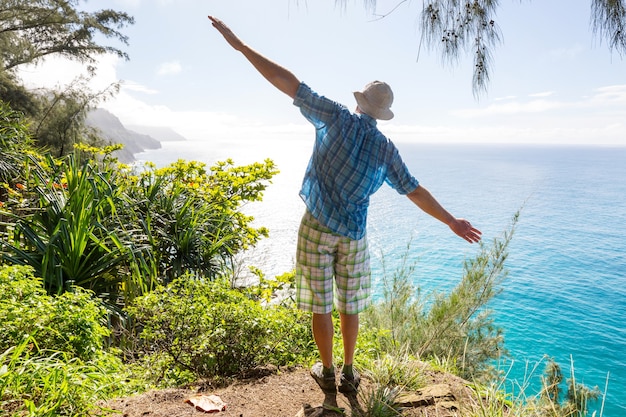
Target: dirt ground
column 281, row 393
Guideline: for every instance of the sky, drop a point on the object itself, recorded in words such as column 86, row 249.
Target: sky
column 552, row 81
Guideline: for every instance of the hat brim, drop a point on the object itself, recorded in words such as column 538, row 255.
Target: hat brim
column 370, row 110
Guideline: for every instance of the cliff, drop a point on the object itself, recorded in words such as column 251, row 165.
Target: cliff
column 135, row 140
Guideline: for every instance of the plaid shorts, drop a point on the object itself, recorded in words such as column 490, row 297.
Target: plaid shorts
column 322, row 255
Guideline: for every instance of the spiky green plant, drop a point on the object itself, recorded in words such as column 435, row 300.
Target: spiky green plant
column 190, row 214
column 70, row 233
column 378, row 401
column 397, row 370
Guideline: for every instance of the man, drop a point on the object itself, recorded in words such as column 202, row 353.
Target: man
column 350, row 161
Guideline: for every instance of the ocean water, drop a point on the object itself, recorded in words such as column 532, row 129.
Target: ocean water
column 565, row 293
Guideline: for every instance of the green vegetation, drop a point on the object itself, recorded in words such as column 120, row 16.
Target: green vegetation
column 116, row 280
column 456, row 328
column 33, row 30
column 71, row 323
column 189, row 215
column 53, row 383
column 53, row 359
column 194, row 329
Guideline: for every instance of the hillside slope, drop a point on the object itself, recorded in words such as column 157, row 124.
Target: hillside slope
column 135, row 140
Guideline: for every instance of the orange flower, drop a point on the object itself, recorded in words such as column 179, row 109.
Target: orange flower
column 20, row 186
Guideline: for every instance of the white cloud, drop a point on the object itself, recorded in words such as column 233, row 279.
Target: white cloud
column 57, row 72
column 169, row 68
column 542, row 94
column 567, row 53
column 516, row 121
column 505, row 98
column 609, row 96
column 538, row 133
column 129, row 3
column 510, row 108
column 599, row 118
column 613, row 94
column 136, row 87
column 136, row 3
column 195, row 125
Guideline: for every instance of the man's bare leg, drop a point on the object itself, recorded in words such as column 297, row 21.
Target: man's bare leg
column 323, row 333
column 349, row 333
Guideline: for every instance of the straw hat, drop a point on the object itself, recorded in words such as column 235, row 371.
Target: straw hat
column 375, row 100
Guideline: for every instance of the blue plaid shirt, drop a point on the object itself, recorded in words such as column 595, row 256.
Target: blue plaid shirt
column 351, row 159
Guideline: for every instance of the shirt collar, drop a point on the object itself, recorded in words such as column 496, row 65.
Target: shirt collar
column 369, row 119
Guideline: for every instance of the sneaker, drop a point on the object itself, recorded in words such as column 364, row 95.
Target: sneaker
column 349, row 385
column 326, row 383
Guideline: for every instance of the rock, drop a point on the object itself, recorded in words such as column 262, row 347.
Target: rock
column 440, row 394
column 206, row 403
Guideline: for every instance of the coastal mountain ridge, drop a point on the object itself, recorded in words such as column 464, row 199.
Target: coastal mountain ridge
column 136, row 139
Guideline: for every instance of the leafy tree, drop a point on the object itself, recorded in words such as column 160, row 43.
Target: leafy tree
column 16, row 95
column 60, row 117
column 453, row 26
column 608, row 19
column 191, row 216
column 14, row 142
column 33, row 29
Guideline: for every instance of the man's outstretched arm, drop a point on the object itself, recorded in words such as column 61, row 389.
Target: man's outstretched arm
column 279, row 76
column 461, row 227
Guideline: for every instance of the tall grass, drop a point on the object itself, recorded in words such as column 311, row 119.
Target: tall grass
column 42, row 384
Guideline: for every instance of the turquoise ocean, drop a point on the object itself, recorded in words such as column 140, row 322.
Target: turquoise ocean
column 565, row 292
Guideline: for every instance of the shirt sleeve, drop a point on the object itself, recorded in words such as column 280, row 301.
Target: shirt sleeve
column 317, row 109
column 398, row 175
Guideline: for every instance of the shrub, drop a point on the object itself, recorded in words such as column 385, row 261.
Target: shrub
column 190, row 215
column 577, row 398
column 457, row 327
column 70, row 323
column 193, row 328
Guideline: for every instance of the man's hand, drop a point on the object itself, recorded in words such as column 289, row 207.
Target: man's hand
column 228, row 34
column 280, row 77
column 464, row 229
column 461, row 227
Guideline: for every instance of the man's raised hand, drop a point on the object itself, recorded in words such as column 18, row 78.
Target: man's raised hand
column 228, row 34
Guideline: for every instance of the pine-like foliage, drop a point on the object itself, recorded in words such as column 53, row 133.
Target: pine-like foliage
column 455, row 327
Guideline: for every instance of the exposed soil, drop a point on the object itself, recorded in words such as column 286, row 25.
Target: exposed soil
column 286, row 393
